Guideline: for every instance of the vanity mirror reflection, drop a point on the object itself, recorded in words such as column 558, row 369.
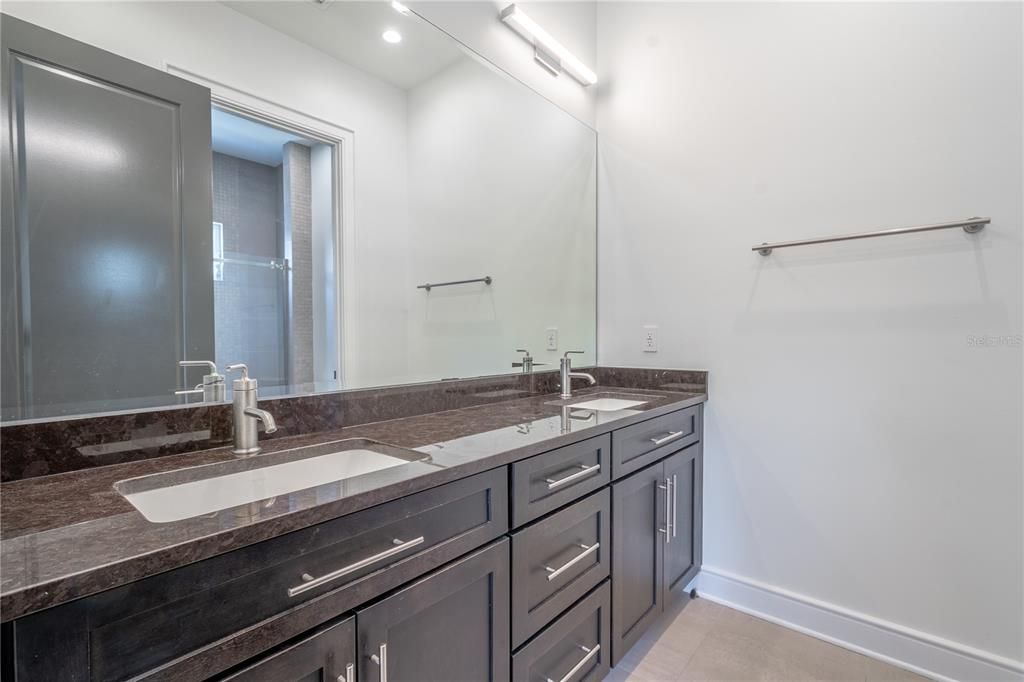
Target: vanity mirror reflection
column 276, row 183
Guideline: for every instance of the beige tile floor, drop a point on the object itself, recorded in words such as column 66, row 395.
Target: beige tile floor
column 707, row 641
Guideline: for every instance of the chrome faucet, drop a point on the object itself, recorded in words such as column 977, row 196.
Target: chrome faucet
column 568, row 375
column 246, row 415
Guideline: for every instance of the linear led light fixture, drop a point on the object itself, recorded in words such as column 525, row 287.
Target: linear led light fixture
column 548, row 52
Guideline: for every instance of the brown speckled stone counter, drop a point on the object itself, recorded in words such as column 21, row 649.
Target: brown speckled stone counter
column 69, row 535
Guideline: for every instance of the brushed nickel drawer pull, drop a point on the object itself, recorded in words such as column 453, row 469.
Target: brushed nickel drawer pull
column 582, row 473
column 309, row 582
column 583, row 661
column 670, row 436
column 350, row 674
column 587, row 551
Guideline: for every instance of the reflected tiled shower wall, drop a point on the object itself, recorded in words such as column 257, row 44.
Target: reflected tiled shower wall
column 264, row 314
column 248, row 299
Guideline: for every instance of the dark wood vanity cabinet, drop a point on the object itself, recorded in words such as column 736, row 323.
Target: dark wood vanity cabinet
column 652, row 509
column 327, row 655
column 638, row 517
column 656, row 542
column 437, row 585
column 451, row 625
column 683, row 548
column 199, row 620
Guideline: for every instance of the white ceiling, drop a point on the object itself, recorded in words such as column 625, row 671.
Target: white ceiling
column 351, row 32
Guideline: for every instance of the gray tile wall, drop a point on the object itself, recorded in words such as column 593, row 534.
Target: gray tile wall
column 250, row 303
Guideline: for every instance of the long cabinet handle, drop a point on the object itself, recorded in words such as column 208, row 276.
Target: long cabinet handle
column 382, row 661
column 587, row 551
column 310, row 583
column 350, row 673
column 591, row 652
column 667, row 530
column 670, row 436
column 675, row 504
column 582, row 473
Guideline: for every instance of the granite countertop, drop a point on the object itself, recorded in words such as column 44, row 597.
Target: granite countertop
column 70, row 535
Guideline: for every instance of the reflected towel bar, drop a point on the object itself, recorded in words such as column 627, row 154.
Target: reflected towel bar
column 970, row 225
column 428, row 286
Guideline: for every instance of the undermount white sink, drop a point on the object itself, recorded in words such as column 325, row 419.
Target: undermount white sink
column 608, row 404
column 187, row 499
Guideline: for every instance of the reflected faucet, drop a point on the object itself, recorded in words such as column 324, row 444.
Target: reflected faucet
column 247, row 416
column 212, row 388
column 568, row 375
column 526, row 362
column 568, row 417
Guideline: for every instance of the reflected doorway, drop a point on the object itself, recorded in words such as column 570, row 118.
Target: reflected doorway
column 275, row 240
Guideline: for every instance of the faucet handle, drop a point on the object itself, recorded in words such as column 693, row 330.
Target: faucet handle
column 577, row 352
column 199, row 363
column 244, row 383
column 239, row 366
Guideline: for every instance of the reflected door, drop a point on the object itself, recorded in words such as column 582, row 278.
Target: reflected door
column 106, row 227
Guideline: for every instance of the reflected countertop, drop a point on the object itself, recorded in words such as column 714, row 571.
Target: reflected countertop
column 70, row 535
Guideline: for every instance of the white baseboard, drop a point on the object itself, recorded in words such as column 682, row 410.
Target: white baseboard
column 919, row 652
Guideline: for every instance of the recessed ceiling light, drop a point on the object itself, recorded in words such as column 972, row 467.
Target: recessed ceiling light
column 399, row 7
column 391, row 36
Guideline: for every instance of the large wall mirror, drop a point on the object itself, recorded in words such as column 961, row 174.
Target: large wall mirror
column 277, row 184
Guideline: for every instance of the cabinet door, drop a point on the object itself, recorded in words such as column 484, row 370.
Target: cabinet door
column 451, row 626
column 683, row 540
column 638, row 507
column 328, row 655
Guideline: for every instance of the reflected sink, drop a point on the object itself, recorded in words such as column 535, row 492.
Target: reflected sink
column 605, row 401
column 183, row 494
column 608, row 404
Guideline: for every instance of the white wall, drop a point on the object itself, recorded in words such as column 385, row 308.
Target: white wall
column 859, row 450
column 524, row 173
column 476, row 24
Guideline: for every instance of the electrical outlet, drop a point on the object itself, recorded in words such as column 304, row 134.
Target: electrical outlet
column 552, row 337
column 650, row 342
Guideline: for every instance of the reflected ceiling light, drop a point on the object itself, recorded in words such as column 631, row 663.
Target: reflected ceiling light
column 391, row 36
column 550, row 53
column 399, row 7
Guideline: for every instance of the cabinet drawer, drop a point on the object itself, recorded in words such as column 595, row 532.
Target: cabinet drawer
column 558, row 560
column 546, row 482
column 176, row 625
column 329, row 653
column 574, row 648
column 636, row 446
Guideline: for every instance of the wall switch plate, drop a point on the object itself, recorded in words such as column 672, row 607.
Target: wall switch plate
column 551, row 333
column 650, row 341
